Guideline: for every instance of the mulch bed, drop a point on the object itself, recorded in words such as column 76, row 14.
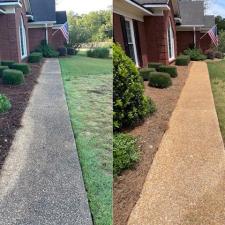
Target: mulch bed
column 128, row 186
column 11, row 121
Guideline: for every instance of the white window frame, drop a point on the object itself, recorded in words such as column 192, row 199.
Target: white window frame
column 133, row 40
column 22, row 39
column 170, row 42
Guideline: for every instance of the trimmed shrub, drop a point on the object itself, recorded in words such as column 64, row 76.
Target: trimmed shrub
column 12, row 77
column 219, row 55
column 171, row 70
column 195, row 54
column 2, row 68
column 98, row 53
column 160, row 80
column 23, row 67
column 35, row 57
column 62, row 51
column 46, row 50
column 145, row 73
column 5, row 104
column 210, row 54
column 154, row 65
column 71, row 51
column 183, row 60
column 8, row 63
column 125, row 153
column 129, row 103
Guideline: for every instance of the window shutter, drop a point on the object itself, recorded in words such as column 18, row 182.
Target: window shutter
column 137, row 41
column 125, row 40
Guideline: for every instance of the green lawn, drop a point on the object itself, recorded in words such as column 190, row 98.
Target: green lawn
column 88, row 86
column 217, row 76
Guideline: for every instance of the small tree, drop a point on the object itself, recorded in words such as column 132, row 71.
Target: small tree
column 221, row 46
column 129, row 103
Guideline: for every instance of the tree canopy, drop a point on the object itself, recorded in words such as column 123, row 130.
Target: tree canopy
column 92, row 27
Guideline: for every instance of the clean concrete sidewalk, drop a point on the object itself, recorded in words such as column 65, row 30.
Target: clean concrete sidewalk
column 186, row 183
column 41, row 182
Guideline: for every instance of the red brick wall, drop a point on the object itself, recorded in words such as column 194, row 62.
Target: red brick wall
column 58, row 40
column 9, row 38
column 205, row 42
column 117, row 30
column 156, row 34
column 152, row 35
column 143, row 44
column 36, row 35
column 185, row 39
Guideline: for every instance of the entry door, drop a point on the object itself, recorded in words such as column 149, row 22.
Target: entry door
column 131, row 40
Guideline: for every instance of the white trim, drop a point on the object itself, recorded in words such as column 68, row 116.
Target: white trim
column 129, row 15
column 195, row 43
column 138, row 6
column 11, row 4
column 170, row 41
column 46, row 33
column 2, row 11
column 43, row 22
column 133, row 40
column 161, row 6
column 22, row 39
column 191, row 26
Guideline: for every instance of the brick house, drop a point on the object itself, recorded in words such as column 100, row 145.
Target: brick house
column 25, row 23
column 159, row 30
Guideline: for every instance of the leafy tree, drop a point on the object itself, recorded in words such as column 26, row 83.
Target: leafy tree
column 221, row 46
column 220, row 23
column 91, row 27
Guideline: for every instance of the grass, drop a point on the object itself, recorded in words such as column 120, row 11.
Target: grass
column 88, row 86
column 217, row 77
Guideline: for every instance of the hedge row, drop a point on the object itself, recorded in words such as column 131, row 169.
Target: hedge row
column 13, row 73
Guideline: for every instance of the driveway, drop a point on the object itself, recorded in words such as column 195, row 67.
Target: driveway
column 41, row 182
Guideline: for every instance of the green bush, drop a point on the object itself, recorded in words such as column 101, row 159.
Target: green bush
column 62, row 51
column 98, row 53
column 183, row 60
column 46, row 50
column 219, row 55
column 125, row 153
column 12, row 77
column 23, row 67
column 8, row 63
column 171, row 70
column 71, row 51
column 210, row 54
column 154, row 65
column 2, row 68
column 160, row 80
column 5, row 104
column 129, row 103
column 35, row 57
column 145, row 73
column 195, row 54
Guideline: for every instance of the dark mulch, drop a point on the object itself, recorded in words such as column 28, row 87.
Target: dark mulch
column 11, row 121
column 128, row 186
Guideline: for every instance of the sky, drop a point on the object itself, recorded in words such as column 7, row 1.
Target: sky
column 83, row 6
column 217, row 7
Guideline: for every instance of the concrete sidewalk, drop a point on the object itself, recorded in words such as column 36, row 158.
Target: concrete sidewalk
column 41, row 182
column 186, row 183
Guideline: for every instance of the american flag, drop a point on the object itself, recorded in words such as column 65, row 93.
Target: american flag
column 65, row 31
column 214, row 35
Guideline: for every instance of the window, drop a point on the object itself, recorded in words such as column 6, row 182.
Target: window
column 131, row 40
column 170, row 42
column 23, row 39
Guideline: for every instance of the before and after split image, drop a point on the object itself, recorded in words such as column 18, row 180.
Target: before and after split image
column 112, row 112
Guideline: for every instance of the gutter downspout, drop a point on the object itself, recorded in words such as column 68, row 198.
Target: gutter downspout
column 46, row 32
column 194, row 37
